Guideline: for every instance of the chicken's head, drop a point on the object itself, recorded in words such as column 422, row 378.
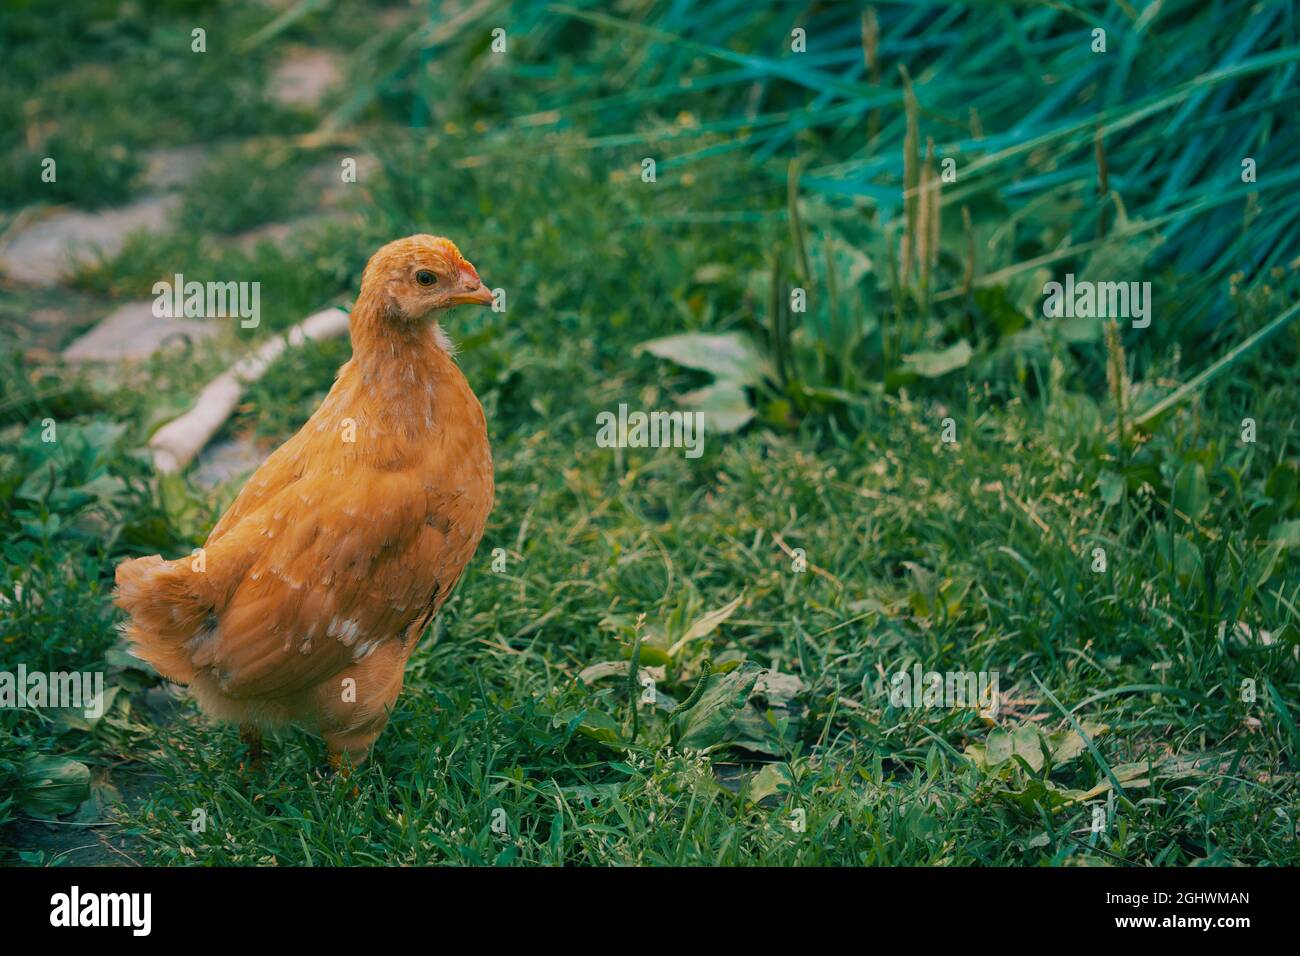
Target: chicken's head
column 410, row 278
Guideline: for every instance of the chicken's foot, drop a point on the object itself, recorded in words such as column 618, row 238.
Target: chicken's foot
column 344, row 770
column 252, row 738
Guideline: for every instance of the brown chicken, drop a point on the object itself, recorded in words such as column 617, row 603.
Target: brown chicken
column 311, row 592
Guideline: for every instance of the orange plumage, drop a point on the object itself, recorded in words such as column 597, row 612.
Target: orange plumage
column 314, row 587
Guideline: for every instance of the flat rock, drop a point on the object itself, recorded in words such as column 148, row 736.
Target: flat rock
column 48, row 250
column 304, row 77
column 281, row 233
column 327, row 181
column 173, row 167
column 132, row 331
column 224, row 460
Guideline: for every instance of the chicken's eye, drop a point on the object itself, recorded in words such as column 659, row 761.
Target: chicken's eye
column 425, row 277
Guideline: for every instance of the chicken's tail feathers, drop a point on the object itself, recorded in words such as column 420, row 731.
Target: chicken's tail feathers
column 166, row 614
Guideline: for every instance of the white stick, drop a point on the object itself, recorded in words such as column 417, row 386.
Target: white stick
column 176, row 443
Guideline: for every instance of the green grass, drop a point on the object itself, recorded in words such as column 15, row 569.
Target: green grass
column 594, row 540
column 96, row 83
column 973, row 555
column 224, row 199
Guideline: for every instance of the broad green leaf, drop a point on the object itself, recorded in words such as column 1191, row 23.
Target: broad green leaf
column 710, row 722
column 589, row 675
column 768, row 781
column 1111, row 486
column 1026, row 744
column 998, row 748
column 953, row 592
column 52, row 785
column 778, row 689
column 1077, row 330
column 594, row 724
column 924, row 597
column 1287, row 534
column 1039, row 793
column 74, row 718
column 930, row 595
column 1187, row 559
column 729, row 357
column 119, row 656
column 933, row 364
column 1074, row 414
column 725, row 406
column 706, row 625
column 1191, row 492
column 711, row 273
column 772, row 711
column 1065, row 745
column 599, row 726
column 1123, row 259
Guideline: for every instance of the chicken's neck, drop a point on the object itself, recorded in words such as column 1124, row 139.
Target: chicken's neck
column 398, row 370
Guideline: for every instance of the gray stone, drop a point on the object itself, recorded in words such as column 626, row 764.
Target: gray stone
column 132, row 332
column 304, row 77
column 326, row 179
column 173, row 167
column 50, row 249
column 282, row 233
column 224, row 460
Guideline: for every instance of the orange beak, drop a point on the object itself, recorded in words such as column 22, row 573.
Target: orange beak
column 473, row 291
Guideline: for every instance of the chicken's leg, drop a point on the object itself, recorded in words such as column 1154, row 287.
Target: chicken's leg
column 252, row 737
column 344, row 770
column 355, row 745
